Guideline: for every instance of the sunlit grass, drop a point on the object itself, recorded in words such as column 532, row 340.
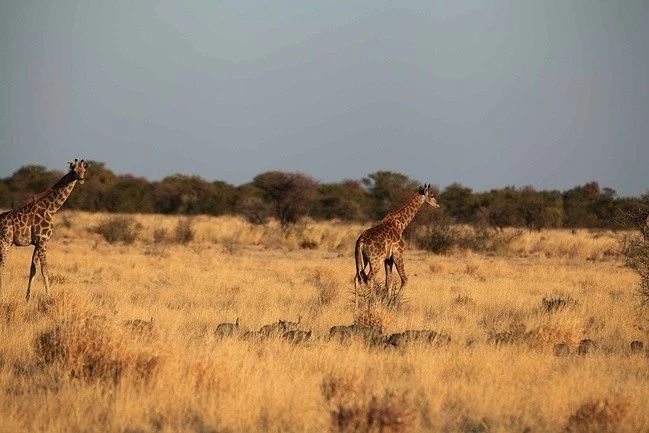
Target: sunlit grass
column 72, row 362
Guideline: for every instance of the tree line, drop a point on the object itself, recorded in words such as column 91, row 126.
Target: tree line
column 290, row 196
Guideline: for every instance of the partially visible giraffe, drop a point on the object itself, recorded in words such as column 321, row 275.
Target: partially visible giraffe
column 32, row 224
column 384, row 244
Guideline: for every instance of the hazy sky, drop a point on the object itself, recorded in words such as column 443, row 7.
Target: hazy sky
column 550, row 94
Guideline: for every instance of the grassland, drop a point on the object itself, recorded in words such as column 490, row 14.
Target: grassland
column 74, row 360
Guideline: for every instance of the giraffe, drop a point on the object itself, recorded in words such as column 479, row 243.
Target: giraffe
column 32, row 224
column 384, row 243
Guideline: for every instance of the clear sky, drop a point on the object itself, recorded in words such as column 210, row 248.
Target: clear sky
column 544, row 93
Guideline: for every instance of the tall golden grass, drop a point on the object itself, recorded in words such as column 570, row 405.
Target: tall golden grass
column 88, row 357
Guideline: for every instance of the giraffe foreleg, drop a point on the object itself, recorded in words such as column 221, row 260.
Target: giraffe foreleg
column 32, row 273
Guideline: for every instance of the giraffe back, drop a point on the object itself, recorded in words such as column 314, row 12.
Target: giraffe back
column 380, row 240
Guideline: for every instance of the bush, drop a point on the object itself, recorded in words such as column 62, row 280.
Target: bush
column 254, row 210
column 636, row 252
column 184, row 231
column 442, row 237
column 635, row 249
column 119, row 229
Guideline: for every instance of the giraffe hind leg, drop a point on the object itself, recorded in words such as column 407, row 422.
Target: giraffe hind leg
column 32, row 273
column 371, row 286
column 401, row 270
column 388, row 277
column 42, row 257
column 3, row 255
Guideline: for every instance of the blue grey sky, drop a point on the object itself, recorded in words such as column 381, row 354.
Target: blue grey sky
column 544, row 93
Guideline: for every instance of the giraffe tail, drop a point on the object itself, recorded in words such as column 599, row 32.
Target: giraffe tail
column 361, row 276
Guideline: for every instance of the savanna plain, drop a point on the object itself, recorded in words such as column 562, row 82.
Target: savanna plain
column 125, row 342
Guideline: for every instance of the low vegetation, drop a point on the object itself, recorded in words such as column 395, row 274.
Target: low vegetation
column 118, row 229
column 126, row 341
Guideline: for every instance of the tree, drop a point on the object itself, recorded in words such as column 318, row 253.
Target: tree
column 250, row 203
column 347, row 201
column 93, row 194
column 28, row 181
column 291, row 195
column 459, row 203
column 388, row 191
column 191, row 195
column 5, row 195
column 579, row 205
column 130, row 194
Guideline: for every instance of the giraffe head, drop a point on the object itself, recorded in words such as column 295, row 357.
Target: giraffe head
column 79, row 169
column 426, row 193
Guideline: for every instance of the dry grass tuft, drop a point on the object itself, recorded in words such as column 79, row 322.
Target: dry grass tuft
column 326, row 287
column 340, row 387
column 598, row 416
column 557, row 303
column 388, row 413
column 546, row 337
column 8, row 311
column 377, row 317
column 353, row 408
column 91, row 351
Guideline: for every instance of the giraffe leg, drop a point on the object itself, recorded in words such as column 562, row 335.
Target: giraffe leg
column 398, row 261
column 4, row 249
column 359, row 280
column 41, row 252
column 388, row 276
column 355, row 292
column 374, row 267
column 32, row 273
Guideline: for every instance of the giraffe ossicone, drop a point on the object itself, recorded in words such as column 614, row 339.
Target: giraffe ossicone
column 383, row 244
column 32, row 224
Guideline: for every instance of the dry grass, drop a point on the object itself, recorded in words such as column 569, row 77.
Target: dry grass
column 88, row 358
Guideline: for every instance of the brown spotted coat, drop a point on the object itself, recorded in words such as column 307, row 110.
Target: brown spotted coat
column 383, row 244
column 32, row 224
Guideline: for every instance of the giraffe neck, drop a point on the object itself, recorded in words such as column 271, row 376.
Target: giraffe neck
column 54, row 198
column 402, row 217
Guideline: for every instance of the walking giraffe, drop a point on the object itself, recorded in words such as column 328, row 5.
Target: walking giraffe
column 384, row 243
column 32, row 224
